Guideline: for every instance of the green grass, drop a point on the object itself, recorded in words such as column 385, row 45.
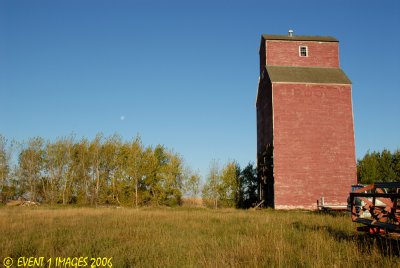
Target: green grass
column 192, row 237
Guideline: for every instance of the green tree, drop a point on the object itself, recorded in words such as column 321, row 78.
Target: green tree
column 210, row 191
column 367, row 168
column 386, row 166
column 119, row 174
column 191, row 184
column 229, row 188
column 31, row 167
column 248, row 187
column 135, row 168
column 57, row 167
column 375, row 167
column 163, row 176
column 4, row 166
column 396, row 164
column 149, row 177
column 157, row 179
column 108, row 168
column 94, row 168
column 172, row 180
column 81, row 183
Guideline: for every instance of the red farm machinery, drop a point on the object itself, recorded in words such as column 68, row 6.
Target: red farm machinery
column 377, row 207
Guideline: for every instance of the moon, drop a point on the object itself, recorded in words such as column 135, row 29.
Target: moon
column 122, row 117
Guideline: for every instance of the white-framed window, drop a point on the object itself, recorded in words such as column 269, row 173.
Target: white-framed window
column 303, row 51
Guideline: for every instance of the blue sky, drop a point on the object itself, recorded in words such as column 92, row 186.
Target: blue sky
column 182, row 73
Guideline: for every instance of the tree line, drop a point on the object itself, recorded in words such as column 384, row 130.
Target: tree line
column 108, row 170
column 379, row 167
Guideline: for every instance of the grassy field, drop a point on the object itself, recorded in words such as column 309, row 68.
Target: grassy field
column 192, row 237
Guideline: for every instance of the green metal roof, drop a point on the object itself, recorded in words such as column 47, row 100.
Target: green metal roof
column 299, row 38
column 307, row 75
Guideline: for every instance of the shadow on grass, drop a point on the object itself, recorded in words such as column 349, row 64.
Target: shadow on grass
column 387, row 246
column 332, row 213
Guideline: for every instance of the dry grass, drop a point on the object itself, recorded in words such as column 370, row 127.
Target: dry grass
column 192, row 237
column 192, row 202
